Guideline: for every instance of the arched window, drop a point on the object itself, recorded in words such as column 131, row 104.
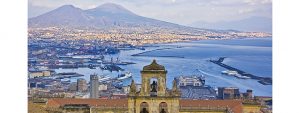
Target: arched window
column 163, row 107
column 144, row 107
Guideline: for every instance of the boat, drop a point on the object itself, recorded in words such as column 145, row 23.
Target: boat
column 104, row 78
column 235, row 74
column 124, row 76
column 230, row 72
column 242, row 77
column 65, row 80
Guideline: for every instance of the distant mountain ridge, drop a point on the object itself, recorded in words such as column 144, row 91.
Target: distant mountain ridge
column 105, row 15
column 113, row 16
column 254, row 24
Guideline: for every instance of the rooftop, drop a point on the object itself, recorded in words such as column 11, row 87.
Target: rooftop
column 234, row 105
column 153, row 66
column 197, row 92
column 91, row 102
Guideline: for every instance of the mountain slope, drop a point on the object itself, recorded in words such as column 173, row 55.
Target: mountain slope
column 106, row 15
column 66, row 15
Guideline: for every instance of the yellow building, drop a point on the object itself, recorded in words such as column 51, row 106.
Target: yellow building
column 39, row 74
column 251, row 108
column 152, row 98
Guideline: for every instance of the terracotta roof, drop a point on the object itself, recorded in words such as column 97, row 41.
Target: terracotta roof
column 235, row 105
column 92, row 102
column 153, row 66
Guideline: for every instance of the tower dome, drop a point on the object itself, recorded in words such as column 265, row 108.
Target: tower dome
column 153, row 66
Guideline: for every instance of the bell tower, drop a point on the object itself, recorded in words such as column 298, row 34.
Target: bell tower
column 153, row 80
column 153, row 96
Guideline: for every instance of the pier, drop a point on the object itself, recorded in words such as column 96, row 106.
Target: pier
column 262, row 80
column 142, row 53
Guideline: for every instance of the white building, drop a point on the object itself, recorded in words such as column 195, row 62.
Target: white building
column 190, row 81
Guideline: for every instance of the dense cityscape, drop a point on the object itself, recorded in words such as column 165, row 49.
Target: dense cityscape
column 48, row 52
column 54, row 46
column 136, row 37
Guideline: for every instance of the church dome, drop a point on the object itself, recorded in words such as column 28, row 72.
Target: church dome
column 153, row 66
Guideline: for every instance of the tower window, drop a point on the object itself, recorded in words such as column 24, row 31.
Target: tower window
column 153, row 87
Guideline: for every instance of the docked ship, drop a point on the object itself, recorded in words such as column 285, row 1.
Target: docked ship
column 65, row 80
column 104, row 78
column 124, row 76
column 235, row 74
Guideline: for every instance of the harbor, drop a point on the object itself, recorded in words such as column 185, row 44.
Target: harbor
column 261, row 80
column 197, row 59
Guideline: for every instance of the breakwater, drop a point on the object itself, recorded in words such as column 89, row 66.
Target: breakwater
column 262, row 80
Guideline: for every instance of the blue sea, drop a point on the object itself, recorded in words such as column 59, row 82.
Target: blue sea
column 187, row 58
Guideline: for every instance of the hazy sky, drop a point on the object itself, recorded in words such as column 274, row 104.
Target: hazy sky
column 177, row 11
